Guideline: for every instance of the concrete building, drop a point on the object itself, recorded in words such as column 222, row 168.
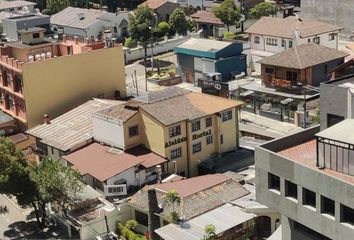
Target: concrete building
column 339, row 103
column 89, row 23
column 182, row 126
column 308, row 176
column 273, row 35
column 8, row 124
column 334, row 12
column 162, row 8
column 49, row 77
column 12, row 25
column 16, row 6
column 197, row 57
column 308, row 64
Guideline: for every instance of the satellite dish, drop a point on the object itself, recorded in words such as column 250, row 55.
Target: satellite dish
column 56, row 36
column 25, row 10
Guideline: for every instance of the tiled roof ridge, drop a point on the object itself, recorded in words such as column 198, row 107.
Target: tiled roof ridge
column 298, row 57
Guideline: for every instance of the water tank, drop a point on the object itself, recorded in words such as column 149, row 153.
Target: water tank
column 37, row 57
column 43, row 56
column 49, row 55
column 30, row 58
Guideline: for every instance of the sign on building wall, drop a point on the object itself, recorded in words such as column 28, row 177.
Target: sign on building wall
column 115, row 190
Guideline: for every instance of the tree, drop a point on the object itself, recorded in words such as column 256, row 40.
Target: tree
column 316, row 118
column 130, row 42
column 263, row 9
column 15, row 177
column 210, row 232
column 163, row 28
column 178, row 21
column 172, row 198
column 54, row 6
column 228, row 13
column 141, row 27
column 57, row 182
column 229, row 35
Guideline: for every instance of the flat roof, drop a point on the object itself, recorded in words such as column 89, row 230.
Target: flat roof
column 32, row 30
column 73, row 127
column 223, row 218
column 341, row 132
column 205, row 45
column 15, row 4
column 111, row 161
column 5, row 118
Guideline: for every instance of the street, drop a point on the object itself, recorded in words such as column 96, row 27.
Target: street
column 10, row 221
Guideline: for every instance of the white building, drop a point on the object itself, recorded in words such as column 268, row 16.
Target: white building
column 273, row 35
column 89, row 23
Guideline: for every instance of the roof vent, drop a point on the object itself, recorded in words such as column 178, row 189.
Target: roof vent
column 114, row 151
column 81, row 16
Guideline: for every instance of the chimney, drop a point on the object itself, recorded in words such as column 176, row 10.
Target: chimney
column 175, row 166
column 87, row 41
column 297, row 30
column 76, row 39
column 46, row 119
column 64, row 38
column 154, row 220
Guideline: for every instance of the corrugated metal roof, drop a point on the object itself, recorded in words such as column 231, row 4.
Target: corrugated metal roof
column 223, row 218
column 4, row 117
column 341, row 132
column 72, row 128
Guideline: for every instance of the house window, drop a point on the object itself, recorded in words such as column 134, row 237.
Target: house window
column 195, row 125
column 222, row 139
column 290, row 189
column 272, row 41
column 174, row 131
column 327, row 206
column 209, row 139
column 290, row 44
column 256, row 39
column 273, row 182
column 309, row 40
column 283, row 43
column 208, row 122
column 133, row 131
column 308, row 197
column 316, row 40
column 226, row 116
column 35, row 35
column 331, row 36
column 269, row 70
column 347, row 214
column 176, row 153
column 291, row 76
column 197, row 147
column 115, row 189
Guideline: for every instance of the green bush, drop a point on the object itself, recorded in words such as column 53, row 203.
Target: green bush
column 229, row 35
column 164, row 28
column 130, row 43
column 127, row 233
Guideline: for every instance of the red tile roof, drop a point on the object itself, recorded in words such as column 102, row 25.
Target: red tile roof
column 206, row 17
column 190, row 186
column 103, row 162
column 154, row 4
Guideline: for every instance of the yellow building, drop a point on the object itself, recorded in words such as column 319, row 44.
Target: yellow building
column 40, row 76
column 182, row 126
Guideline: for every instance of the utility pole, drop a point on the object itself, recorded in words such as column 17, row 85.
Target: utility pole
column 304, row 107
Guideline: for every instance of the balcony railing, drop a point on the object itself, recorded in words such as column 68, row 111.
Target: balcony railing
column 11, row 63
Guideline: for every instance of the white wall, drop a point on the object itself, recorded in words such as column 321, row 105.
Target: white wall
column 109, row 131
column 129, row 176
column 132, row 54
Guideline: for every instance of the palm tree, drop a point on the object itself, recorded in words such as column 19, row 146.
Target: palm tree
column 172, row 197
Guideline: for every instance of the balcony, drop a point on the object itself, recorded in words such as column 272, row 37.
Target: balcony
column 13, row 106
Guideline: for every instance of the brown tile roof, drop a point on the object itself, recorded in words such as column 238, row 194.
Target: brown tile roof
column 103, row 162
column 72, row 128
column 150, row 159
column 285, row 27
column 154, row 4
column 198, row 194
column 120, row 112
column 206, row 17
column 188, row 107
column 303, row 56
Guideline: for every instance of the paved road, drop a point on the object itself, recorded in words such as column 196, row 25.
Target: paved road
column 10, row 220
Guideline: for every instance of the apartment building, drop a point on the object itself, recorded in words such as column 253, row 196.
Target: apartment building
column 182, row 126
column 43, row 76
column 308, row 177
